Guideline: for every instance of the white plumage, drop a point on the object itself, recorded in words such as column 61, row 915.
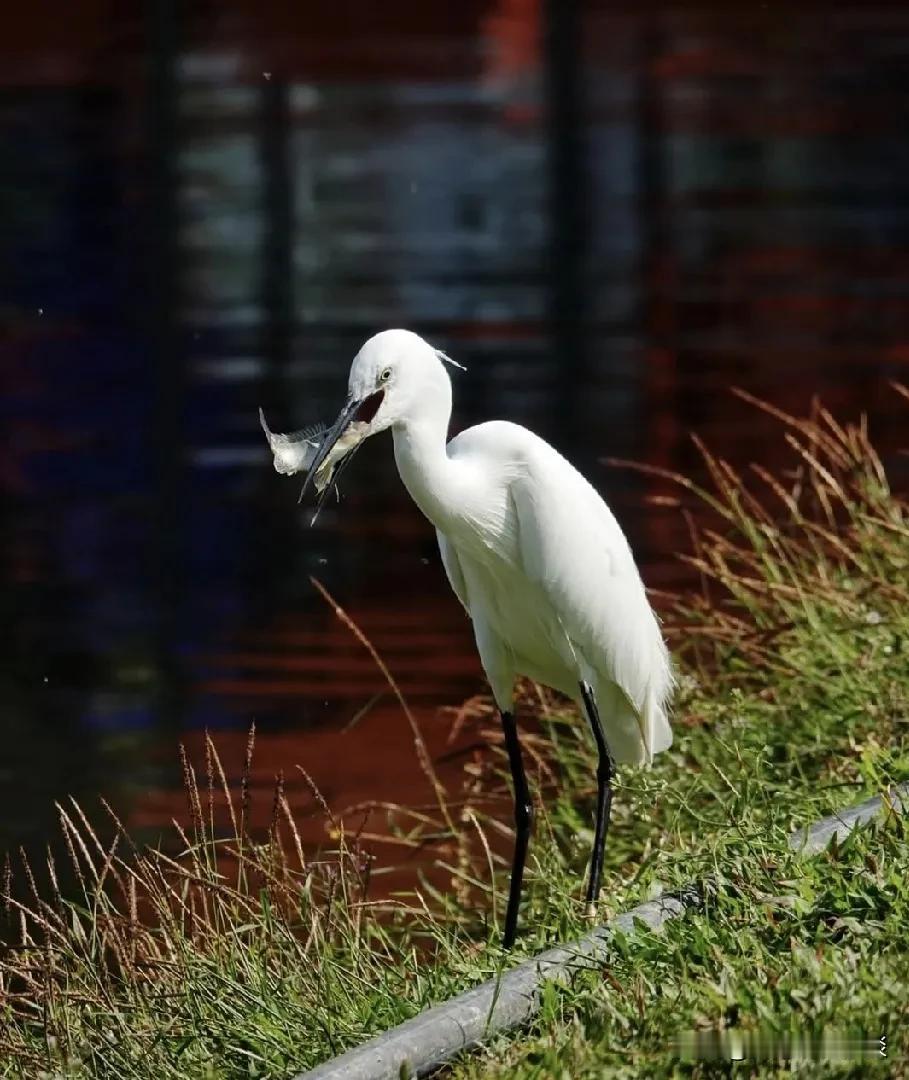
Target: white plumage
column 545, row 573
column 531, row 550
column 533, row 553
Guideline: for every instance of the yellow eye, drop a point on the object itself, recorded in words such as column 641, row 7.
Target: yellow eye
column 386, row 375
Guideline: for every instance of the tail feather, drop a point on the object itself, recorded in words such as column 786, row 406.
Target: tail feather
column 655, row 722
column 634, row 735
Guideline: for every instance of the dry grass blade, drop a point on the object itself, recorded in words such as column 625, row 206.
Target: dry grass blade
column 294, row 831
column 809, row 427
column 245, row 779
column 674, row 478
column 277, row 798
column 215, row 758
column 192, row 792
column 319, row 797
column 92, row 835
column 781, row 572
column 418, row 740
column 73, row 838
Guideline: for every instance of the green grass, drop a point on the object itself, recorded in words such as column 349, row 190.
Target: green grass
column 238, row 959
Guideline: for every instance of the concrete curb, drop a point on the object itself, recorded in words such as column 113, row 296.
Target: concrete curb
column 428, row 1040
column 816, row 837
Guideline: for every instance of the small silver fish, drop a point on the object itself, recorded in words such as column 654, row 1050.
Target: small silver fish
column 295, row 451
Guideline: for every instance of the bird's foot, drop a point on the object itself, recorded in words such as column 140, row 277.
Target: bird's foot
column 590, row 912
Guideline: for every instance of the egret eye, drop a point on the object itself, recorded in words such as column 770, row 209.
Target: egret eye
column 386, row 375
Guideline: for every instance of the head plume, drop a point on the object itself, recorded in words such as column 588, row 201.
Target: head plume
column 448, row 360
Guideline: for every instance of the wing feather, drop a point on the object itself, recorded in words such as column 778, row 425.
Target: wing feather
column 453, row 569
column 572, row 547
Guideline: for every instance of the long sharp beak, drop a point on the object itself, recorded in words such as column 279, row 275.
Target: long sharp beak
column 332, row 485
column 331, row 436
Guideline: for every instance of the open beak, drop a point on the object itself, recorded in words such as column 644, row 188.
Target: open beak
column 361, row 411
column 332, row 484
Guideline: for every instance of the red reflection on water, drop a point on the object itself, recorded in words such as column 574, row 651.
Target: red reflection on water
column 360, row 772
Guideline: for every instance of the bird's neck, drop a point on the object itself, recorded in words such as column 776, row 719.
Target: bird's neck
column 424, row 465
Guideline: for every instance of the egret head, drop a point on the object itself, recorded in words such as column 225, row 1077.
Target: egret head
column 395, row 377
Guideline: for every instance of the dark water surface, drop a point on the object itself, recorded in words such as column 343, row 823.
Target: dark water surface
column 610, row 219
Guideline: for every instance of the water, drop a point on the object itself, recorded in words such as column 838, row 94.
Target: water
column 609, row 219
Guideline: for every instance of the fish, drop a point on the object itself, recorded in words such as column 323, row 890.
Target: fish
column 295, row 451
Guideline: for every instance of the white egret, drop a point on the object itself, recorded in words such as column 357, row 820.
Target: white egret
column 535, row 556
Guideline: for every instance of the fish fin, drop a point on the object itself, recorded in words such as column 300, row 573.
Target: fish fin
column 308, row 434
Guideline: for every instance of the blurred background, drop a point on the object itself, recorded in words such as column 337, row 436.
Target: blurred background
column 609, row 213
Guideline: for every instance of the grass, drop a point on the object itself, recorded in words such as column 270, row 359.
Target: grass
column 239, row 958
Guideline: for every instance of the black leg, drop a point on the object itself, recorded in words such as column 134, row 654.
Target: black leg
column 604, row 799
column 523, row 815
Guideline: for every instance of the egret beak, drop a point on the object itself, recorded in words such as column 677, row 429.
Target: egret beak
column 332, row 485
column 355, row 411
